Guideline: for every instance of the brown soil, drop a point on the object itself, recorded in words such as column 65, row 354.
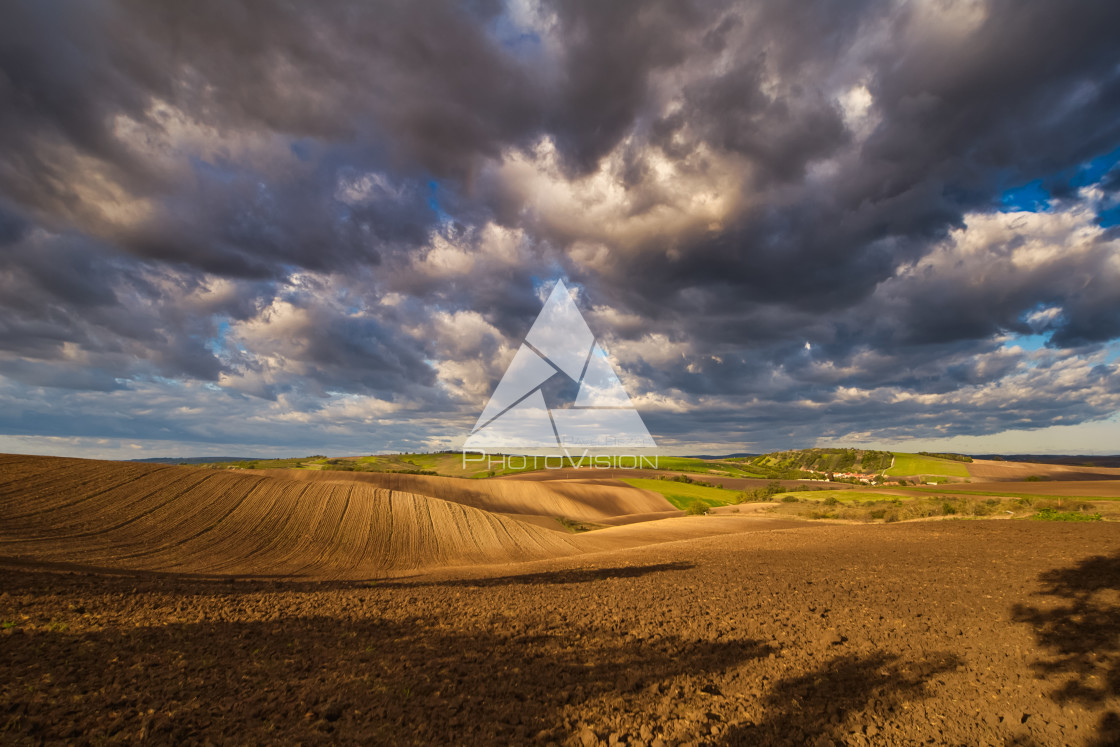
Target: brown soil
column 986, row 469
column 773, row 632
column 579, row 499
column 196, row 521
column 946, row 633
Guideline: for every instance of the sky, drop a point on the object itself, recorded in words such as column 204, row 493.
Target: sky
column 255, row 228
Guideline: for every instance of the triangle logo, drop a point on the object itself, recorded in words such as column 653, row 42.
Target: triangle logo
column 559, row 346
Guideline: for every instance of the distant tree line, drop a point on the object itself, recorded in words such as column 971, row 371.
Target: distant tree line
column 947, row 455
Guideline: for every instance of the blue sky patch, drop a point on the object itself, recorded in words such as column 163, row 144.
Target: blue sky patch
column 434, row 203
column 1110, row 217
column 217, row 344
column 1031, row 197
column 1028, row 342
column 1093, row 171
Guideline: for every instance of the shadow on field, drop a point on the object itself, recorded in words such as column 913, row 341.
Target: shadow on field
column 570, row 576
column 226, row 585
column 322, row 679
column 1078, row 623
column 848, row 693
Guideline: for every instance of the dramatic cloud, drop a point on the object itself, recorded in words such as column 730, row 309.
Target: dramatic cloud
column 302, row 227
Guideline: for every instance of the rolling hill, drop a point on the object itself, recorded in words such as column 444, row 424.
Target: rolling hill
column 582, row 499
column 151, row 518
column 131, row 516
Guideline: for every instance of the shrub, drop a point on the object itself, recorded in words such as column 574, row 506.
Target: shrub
column 878, row 513
column 1050, row 514
column 832, row 501
column 948, row 508
column 981, row 509
column 757, row 495
column 697, row 508
column 789, row 499
column 687, row 480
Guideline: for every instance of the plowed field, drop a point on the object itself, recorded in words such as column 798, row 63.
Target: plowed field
column 987, row 469
column 579, row 499
column 182, row 606
column 183, row 520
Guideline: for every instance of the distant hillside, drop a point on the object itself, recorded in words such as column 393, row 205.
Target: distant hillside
column 1076, row 460
column 439, row 463
column 192, row 460
column 826, row 460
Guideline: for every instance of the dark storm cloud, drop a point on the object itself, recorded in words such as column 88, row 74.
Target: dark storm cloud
column 772, row 423
column 285, row 201
column 12, row 226
column 76, row 315
column 70, row 303
column 304, row 342
column 1031, row 92
column 407, row 89
column 610, row 52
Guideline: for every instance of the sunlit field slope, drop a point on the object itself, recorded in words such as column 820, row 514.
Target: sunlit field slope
column 178, row 519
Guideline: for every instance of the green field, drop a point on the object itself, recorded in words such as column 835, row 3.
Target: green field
column 704, row 467
column 452, row 465
column 447, row 464
column 312, row 462
column 916, row 464
column 682, row 494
